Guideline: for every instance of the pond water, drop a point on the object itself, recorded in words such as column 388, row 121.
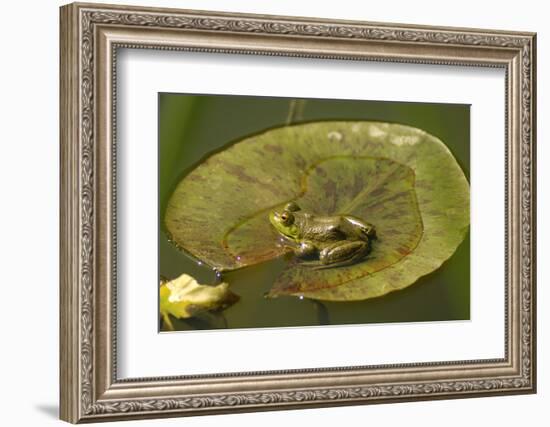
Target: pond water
column 194, row 126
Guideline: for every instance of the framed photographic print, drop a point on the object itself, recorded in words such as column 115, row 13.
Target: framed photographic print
column 291, row 212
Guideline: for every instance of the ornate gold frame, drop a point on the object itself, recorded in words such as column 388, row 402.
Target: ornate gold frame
column 90, row 36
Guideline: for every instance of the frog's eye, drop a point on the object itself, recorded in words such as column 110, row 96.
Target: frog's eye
column 287, row 218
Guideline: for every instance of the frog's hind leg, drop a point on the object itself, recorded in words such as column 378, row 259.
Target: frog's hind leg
column 367, row 231
column 340, row 254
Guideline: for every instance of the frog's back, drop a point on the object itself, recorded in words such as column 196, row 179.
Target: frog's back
column 323, row 229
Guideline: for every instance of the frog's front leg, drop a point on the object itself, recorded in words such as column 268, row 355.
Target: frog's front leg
column 305, row 250
column 342, row 253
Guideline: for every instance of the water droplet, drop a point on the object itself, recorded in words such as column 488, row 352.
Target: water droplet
column 301, row 297
column 199, row 263
column 238, row 258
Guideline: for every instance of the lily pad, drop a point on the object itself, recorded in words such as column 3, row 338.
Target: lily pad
column 401, row 179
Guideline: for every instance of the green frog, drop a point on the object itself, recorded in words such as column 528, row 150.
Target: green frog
column 324, row 241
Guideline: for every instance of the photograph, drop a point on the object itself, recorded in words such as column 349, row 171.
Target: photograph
column 277, row 212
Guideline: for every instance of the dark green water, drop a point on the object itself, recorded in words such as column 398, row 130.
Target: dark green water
column 193, row 126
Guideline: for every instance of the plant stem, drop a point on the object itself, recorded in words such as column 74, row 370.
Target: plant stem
column 322, row 313
column 295, row 111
